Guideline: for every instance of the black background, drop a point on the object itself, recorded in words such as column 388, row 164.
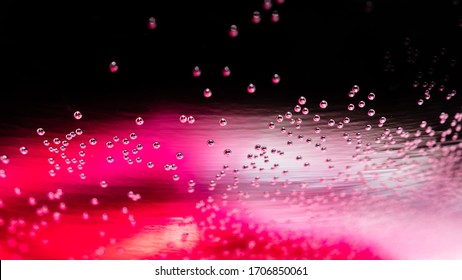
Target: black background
column 61, row 52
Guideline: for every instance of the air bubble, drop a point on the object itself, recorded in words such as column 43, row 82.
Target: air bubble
column 179, row 155
column 152, row 23
column 23, row 150
column 371, row 112
column 113, row 67
column 183, row 119
column 276, row 79
column 77, row 115
column 210, row 142
column 191, row 119
column 156, row 145
column 139, row 121
column 323, row 104
column 233, row 31
column 40, row 131
column 223, row 122
column 251, row 88
column 275, row 16
column 371, row 96
column 197, row 71
column 256, row 17
column 226, row 71
column 207, row 93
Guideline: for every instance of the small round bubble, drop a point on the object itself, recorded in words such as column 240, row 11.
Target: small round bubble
column 251, row 88
column 223, row 122
column 210, row 142
column 323, row 104
column 233, row 31
column 197, row 71
column 113, row 67
column 139, row 121
column 371, row 96
column 276, row 79
column 23, row 150
column 191, row 119
column 77, row 115
column 40, row 131
column 371, row 112
column 226, row 71
column 207, row 93
column 183, row 119
column 156, row 145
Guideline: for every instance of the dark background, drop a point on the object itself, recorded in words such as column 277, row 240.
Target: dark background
column 61, row 53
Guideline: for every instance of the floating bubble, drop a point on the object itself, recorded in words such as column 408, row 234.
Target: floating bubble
column 251, row 88
column 276, row 79
column 150, row 164
column 316, row 118
column 279, row 118
column 103, row 184
column 323, row 104
column 110, row 159
column 305, row 111
column 233, row 31
column 267, row 4
column 207, row 93
column 223, row 122
column 179, row 155
column 77, row 115
column 133, row 136
column 420, row 102
column 183, row 119
column 256, row 17
column 382, row 120
column 331, row 122
column 23, row 150
column 227, row 152
column 371, row 112
column 40, row 131
column 226, row 71
column 288, row 115
column 152, row 23
column 197, row 71
column 139, row 121
column 351, row 107
column 93, row 141
column 113, row 67
column 361, row 104
column 275, row 16
column 191, row 119
column 156, row 145
column 371, row 96
column 210, row 142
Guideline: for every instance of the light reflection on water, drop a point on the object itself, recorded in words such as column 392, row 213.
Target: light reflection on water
column 362, row 194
